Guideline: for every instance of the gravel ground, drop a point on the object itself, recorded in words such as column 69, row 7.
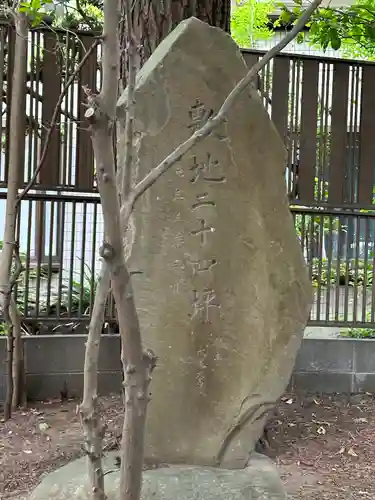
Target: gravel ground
column 323, row 445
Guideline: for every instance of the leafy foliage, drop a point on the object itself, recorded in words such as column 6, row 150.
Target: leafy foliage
column 326, row 273
column 359, row 333
column 37, row 10
column 362, row 332
column 249, row 22
column 76, row 295
column 351, row 29
column 89, row 16
column 81, row 292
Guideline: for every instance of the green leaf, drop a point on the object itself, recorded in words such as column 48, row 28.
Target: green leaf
column 300, row 38
column 285, row 16
column 334, row 39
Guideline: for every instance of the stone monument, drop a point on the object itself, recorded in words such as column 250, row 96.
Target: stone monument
column 224, row 296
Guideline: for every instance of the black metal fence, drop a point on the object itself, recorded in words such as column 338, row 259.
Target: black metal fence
column 323, row 109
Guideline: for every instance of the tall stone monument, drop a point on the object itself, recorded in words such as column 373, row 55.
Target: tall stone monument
column 224, row 296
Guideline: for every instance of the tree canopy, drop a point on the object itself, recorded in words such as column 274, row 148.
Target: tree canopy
column 250, row 22
column 351, row 29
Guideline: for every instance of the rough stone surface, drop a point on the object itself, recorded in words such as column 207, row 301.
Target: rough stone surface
column 224, row 295
column 259, row 481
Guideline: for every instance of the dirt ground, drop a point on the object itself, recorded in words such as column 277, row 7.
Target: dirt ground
column 324, row 446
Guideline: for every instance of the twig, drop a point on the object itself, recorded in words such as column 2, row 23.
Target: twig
column 130, row 112
column 221, row 115
column 54, row 120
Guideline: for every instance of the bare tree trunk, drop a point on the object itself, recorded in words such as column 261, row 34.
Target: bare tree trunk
column 19, row 379
column 137, row 365
column 93, row 427
column 153, row 20
column 15, row 173
column 9, row 374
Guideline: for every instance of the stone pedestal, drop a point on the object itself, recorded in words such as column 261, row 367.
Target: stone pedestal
column 258, row 481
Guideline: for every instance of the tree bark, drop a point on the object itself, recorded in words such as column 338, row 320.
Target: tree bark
column 19, row 378
column 92, row 424
column 153, row 20
column 15, row 174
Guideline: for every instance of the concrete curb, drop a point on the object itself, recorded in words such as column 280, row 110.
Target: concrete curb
column 54, row 364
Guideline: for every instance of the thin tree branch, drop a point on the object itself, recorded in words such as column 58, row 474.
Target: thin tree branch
column 16, row 144
column 54, row 120
column 137, row 365
column 110, row 48
column 101, row 113
column 221, row 115
column 92, row 424
column 130, row 112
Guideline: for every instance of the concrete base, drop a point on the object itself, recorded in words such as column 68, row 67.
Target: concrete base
column 335, row 365
column 54, row 364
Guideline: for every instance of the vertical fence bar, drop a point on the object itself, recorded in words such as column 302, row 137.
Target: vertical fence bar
column 320, row 233
column 62, row 206
column 338, row 270
column 50, row 252
column 37, row 80
column 347, row 267
column 71, row 262
column 72, row 136
column 329, row 269
column 93, row 256
column 326, row 136
column 65, row 116
column 303, row 234
column 309, row 109
column 10, row 65
column 356, row 268
column 297, row 124
column 50, row 173
column 319, row 172
column 39, row 247
column 26, row 306
column 290, row 142
column 17, row 236
column 339, row 120
column 357, row 107
column 367, row 142
column 33, row 103
column 83, row 273
column 250, row 59
column 365, row 270
column 280, row 90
